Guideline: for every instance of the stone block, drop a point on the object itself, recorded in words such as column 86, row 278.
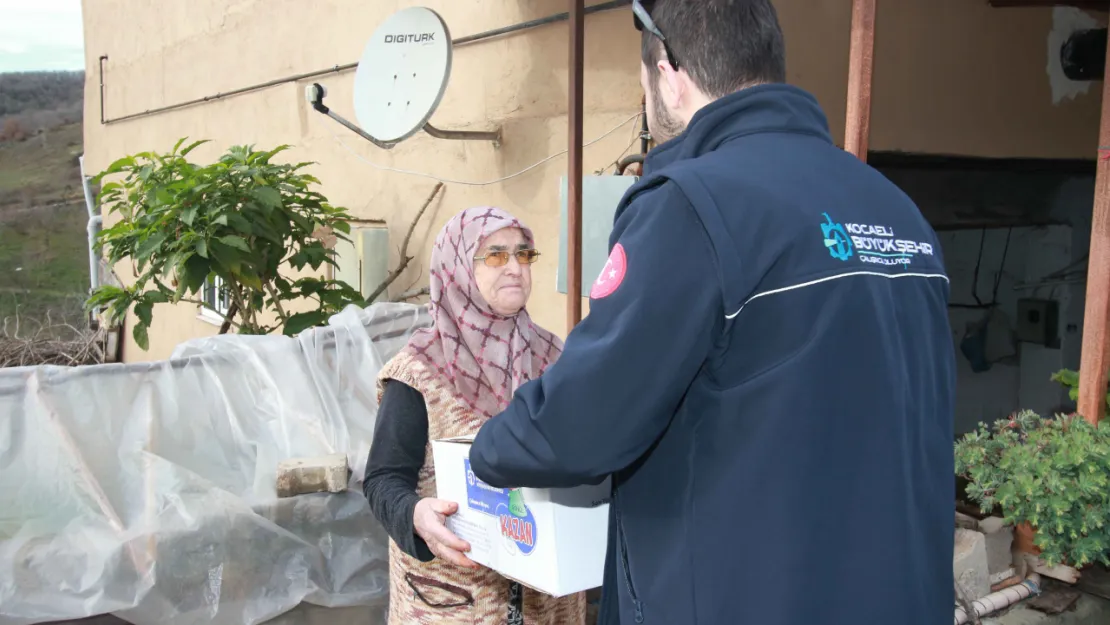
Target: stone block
column 1000, row 538
column 323, row 474
column 969, row 564
column 966, row 522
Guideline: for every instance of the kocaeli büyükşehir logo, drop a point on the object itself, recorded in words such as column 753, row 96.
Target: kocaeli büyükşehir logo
column 836, row 239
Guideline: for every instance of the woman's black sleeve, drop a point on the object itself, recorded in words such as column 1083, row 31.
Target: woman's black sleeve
column 393, row 468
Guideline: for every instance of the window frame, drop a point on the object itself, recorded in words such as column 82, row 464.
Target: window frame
column 210, row 294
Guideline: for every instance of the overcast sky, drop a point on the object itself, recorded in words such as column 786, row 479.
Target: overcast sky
column 41, row 35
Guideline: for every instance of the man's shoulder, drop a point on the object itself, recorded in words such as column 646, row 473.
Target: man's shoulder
column 646, row 199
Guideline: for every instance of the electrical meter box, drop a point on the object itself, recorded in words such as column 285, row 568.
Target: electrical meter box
column 1038, row 321
column 364, row 260
column 600, row 197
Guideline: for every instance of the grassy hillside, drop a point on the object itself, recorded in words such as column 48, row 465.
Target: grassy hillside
column 43, row 248
column 41, row 169
column 44, row 257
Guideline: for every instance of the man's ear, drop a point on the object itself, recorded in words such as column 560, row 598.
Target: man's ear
column 673, row 88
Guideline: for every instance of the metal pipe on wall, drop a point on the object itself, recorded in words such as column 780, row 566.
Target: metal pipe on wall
column 861, row 63
column 1095, row 356
column 92, row 228
column 574, row 165
column 461, row 41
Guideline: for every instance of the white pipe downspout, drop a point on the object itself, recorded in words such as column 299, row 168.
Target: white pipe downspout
column 93, row 228
column 1002, row 599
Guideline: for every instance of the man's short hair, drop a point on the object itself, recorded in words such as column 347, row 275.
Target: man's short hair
column 724, row 45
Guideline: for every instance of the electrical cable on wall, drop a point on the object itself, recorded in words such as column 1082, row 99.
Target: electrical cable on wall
column 974, row 343
column 1001, row 268
column 975, row 274
column 478, row 184
column 1073, row 272
column 978, row 264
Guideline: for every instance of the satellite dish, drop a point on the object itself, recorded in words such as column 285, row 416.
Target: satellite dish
column 400, row 81
column 402, row 74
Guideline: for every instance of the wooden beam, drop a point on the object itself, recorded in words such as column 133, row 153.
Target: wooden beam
column 1095, row 358
column 574, row 166
column 861, row 63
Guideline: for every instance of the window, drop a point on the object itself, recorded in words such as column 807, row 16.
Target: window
column 214, row 295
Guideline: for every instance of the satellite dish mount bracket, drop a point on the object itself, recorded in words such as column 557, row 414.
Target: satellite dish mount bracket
column 316, row 93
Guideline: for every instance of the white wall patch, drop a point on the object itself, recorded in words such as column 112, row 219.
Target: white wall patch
column 1065, row 21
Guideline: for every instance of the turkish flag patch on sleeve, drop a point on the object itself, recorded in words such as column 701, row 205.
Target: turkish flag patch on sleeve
column 611, row 275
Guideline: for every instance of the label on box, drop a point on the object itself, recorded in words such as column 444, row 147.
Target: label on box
column 515, row 521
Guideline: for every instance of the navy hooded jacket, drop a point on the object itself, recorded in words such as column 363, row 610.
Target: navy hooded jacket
column 767, row 373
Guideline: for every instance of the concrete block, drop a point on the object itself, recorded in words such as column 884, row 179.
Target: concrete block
column 966, row 522
column 969, row 564
column 1000, row 538
column 323, row 474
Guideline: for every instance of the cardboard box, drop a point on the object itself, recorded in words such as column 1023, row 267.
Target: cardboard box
column 551, row 540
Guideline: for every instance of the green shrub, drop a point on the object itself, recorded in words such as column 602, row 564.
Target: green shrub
column 1053, row 473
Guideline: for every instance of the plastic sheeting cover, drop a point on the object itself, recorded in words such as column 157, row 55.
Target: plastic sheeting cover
column 148, row 490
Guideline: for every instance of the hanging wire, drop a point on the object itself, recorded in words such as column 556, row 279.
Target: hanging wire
column 978, row 264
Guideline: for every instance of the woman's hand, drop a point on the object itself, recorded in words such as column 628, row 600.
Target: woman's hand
column 430, row 522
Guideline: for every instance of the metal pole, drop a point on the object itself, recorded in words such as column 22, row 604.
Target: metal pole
column 574, row 168
column 1095, row 356
column 861, row 63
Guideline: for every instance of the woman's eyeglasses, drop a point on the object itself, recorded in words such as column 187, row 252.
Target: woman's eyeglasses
column 643, row 21
column 498, row 259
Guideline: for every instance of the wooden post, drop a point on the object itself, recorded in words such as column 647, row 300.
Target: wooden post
column 574, row 166
column 861, row 63
column 1095, row 357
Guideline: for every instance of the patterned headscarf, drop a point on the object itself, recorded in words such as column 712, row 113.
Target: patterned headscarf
column 486, row 356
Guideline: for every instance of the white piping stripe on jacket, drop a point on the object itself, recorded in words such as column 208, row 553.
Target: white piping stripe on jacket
column 841, row 275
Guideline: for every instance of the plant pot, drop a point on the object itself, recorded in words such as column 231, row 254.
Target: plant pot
column 1023, row 539
column 1023, row 543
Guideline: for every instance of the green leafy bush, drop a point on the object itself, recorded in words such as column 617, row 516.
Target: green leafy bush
column 1053, row 473
column 1070, row 380
column 243, row 219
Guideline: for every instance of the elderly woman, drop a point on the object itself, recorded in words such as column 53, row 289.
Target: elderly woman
column 446, row 382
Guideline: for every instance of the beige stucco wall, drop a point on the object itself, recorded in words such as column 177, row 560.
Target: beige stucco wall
column 952, row 76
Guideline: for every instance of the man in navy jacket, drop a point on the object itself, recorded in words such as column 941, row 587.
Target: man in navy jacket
column 766, row 372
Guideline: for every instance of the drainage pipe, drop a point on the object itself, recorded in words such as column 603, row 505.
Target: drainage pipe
column 997, row 601
column 645, row 133
column 92, row 228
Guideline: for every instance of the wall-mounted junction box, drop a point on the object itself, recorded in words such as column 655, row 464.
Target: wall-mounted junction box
column 364, row 260
column 600, row 197
column 1038, row 321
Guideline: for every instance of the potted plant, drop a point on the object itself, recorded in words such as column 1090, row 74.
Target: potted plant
column 1050, row 475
